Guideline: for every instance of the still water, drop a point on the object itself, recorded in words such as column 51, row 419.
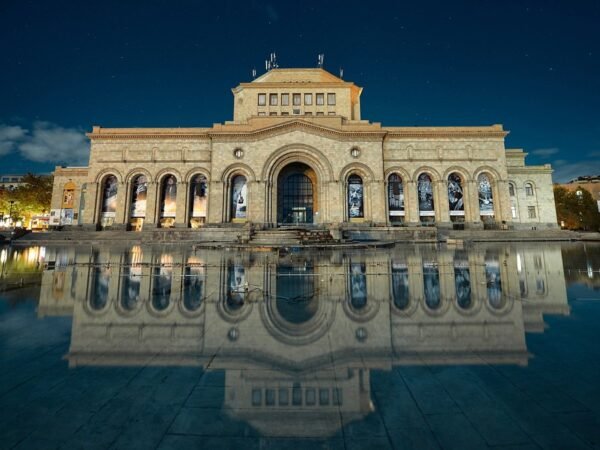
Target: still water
column 412, row 347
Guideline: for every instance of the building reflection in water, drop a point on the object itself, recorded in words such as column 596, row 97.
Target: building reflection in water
column 297, row 335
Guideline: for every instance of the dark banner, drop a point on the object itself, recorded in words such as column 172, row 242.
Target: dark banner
column 493, row 281
column 431, row 285
column 395, row 196
column 425, row 192
column 139, row 195
column 109, row 198
column 455, row 195
column 199, row 193
column 169, row 207
column 400, row 288
column 239, row 197
column 355, row 198
column 486, row 199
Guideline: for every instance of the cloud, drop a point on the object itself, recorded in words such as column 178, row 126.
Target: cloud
column 45, row 142
column 545, row 151
column 565, row 171
column 9, row 136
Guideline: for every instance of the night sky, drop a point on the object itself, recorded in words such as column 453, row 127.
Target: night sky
column 532, row 66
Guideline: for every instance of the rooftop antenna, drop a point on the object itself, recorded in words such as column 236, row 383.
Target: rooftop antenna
column 271, row 63
column 341, row 72
column 320, row 60
column 254, row 72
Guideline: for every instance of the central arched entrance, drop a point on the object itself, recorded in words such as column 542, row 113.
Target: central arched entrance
column 296, row 195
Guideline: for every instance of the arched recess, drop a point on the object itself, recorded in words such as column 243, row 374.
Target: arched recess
column 138, row 171
column 356, row 192
column 427, row 199
column 108, row 188
column 487, row 195
column 457, row 196
column 197, row 208
column 279, row 161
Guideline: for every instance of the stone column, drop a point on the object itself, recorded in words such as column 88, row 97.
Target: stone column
column 442, row 209
column 378, row 209
column 502, row 204
column 181, row 209
column 121, row 212
column 475, row 219
column 90, row 219
column 411, row 203
column 151, row 205
column 216, row 202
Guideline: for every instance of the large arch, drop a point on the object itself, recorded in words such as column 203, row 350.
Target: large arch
column 288, row 155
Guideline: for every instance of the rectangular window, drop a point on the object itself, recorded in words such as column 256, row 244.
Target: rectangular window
column 296, row 99
column 256, row 397
column 269, row 397
column 273, row 99
column 320, row 113
column 283, row 397
column 273, row 113
column 296, row 111
column 531, row 212
column 262, row 99
column 308, row 113
column 331, row 99
column 529, row 190
column 323, row 396
column 308, row 99
column 513, row 210
column 285, row 113
column 261, row 113
column 320, row 99
column 331, row 113
column 285, row 99
column 311, row 396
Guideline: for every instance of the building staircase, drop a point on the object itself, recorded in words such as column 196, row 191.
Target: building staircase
column 287, row 236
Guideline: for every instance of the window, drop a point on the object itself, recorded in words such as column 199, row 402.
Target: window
column 262, row 99
column 531, row 212
column 272, row 113
column 296, row 100
column 261, row 113
column 296, row 111
column 320, row 113
column 513, row 210
column 308, row 113
column 331, row 113
column 331, row 99
column 285, row 99
column 285, row 113
column 511, row 190
column 273, row 99
column 529, row 190
column 320, row 99
column 308, row 99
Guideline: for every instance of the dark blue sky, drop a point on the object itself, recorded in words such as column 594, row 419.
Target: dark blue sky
column 532, row 66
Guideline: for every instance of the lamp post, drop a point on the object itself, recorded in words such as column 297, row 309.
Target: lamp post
column 10, row 211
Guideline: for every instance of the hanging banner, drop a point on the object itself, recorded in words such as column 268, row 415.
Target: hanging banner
column 239, row 197
column 395, row 196
column 455, row 195
column 355, row 197
column 109, row 199
column 199, row 193
column 169, row 207
column 400, row 288
column 486, row 199
column 462, row 282
column 66, row 217
column 431, row 285
column 425, row 192
column 139, row 196
column 493, row 282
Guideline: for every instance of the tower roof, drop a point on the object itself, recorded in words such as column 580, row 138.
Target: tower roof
column 313, row 75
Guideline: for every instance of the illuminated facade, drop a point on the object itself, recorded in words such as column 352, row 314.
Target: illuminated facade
column 299, row 152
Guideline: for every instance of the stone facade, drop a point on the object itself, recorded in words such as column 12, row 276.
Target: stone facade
column 298, row 152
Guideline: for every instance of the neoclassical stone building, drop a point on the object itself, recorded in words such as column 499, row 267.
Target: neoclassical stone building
column 299, row 152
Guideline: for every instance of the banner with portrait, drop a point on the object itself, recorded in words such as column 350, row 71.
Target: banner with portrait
column 486, row 198
column 456, row 203
column 139, row 196
column 395, row 195
column 236, row 285
column 358, row 285
column 425, row 193
column 462, row 281
column 66, row 217
column 199, row 196
column 169, row 197
column 493, row 281
column 239, row 197
column 109, row 197
column 355, row 197
column 431, row 285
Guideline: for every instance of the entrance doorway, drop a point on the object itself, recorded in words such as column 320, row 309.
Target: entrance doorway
column 296, row 195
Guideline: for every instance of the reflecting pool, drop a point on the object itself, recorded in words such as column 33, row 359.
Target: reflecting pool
column 493, row 345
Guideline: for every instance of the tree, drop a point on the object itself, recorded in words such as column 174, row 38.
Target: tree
column 31, row 198
column 576, row 209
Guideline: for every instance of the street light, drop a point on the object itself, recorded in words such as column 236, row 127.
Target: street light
column 10, row 212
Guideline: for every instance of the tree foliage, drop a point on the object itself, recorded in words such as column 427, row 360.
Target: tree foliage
column 576, row 209
column 31, row 198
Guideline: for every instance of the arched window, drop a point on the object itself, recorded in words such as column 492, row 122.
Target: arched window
column 101, row 276
column 239, row 198
column 395, row 198
column 431, row 285
column 131, row 279
column 194, row 283
column 456, row 201
column 161, row 283
column 493, row 280
column 425, row 193
column 529, row 190
column 355, row 197
column 237, row 287
column 139, row 194
column 358, row 285
column 462, row 280
column 511, row 189
column 400, row 286
column 198, row 200
column 109, row 201
column 168, row 201
column 486, row 196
